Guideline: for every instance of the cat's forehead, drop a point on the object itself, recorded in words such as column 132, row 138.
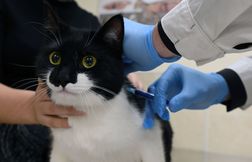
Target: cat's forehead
column 78, row 42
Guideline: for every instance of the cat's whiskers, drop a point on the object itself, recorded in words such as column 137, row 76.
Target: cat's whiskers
column 20, row 81
column 86, row 43
column 84, row 96
column 20, row 65
column 88, row 106
column 92, row 38
column 37, row 23
column 44, row 75
column 96, row 86
column 31, row 86
column 58, row 40
column 104, row 101
column 92, row 109
column 44, row 80
column 84, row 102
column 27, row 83
column 38, row 95
column 88, row 38
column 84, row 92
column 41, row 92
column 105, row 89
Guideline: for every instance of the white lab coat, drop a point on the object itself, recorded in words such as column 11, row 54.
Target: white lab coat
column 204, row 30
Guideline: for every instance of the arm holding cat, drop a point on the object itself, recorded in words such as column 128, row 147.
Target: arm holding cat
column 29, row 107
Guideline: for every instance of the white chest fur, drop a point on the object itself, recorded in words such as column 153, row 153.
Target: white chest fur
column 110, row 133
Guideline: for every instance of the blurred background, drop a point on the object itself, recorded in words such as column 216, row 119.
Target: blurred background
column 211, row 135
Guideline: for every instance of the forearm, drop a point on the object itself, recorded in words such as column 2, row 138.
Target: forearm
column 15, row 106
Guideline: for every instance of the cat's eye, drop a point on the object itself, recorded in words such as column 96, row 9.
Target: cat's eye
column 88, row 61
column 55, row 58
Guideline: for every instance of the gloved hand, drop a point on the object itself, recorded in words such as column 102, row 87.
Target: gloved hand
column 184, row 88
column 138, row 49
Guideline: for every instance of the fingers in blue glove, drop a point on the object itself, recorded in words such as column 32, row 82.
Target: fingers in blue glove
column 159, row 89
column 159, row 103
column 180, row 101
column 188, row 88
column 149, row 116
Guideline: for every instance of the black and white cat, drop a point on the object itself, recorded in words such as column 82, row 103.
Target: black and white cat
column 84, row 69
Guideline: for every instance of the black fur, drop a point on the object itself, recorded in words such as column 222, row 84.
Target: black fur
column 106, row 46
column 167, row 136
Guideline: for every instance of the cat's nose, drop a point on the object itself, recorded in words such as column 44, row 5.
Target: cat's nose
column 63, row 84
column 65, row 77
column 64, row 80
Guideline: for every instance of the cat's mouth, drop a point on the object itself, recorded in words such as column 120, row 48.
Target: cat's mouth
column 66, row 92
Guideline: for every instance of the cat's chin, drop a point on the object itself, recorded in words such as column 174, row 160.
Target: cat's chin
column 67, row 93
column 77, row 100
column 64, row 98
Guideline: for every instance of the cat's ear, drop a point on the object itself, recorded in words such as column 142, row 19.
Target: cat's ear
column 112, row 33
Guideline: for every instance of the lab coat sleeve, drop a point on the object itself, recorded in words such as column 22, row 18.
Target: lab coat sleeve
column 239, row 78
column 204, row 30
column 244, row 70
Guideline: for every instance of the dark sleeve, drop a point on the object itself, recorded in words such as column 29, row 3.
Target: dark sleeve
column 238, row 95
column 166, row 40
column 1, row 40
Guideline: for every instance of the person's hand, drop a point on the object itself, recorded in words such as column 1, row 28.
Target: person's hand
column 49, row 114
column 135, row 80
column 180, row 87
column 138, row 49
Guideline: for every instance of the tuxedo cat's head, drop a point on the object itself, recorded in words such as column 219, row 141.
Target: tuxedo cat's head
column 82, row 67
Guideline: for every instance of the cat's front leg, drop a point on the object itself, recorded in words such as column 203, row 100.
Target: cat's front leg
column 152, row 150
column 152, row 153
column 58, row 156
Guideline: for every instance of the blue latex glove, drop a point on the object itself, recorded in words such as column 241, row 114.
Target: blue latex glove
column 185, row 88
column 138, row 50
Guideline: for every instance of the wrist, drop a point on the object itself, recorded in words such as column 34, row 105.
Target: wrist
column 162, row 50
column 223, row 88
column 164, row 53
column 27, row 105
column 237, row 90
